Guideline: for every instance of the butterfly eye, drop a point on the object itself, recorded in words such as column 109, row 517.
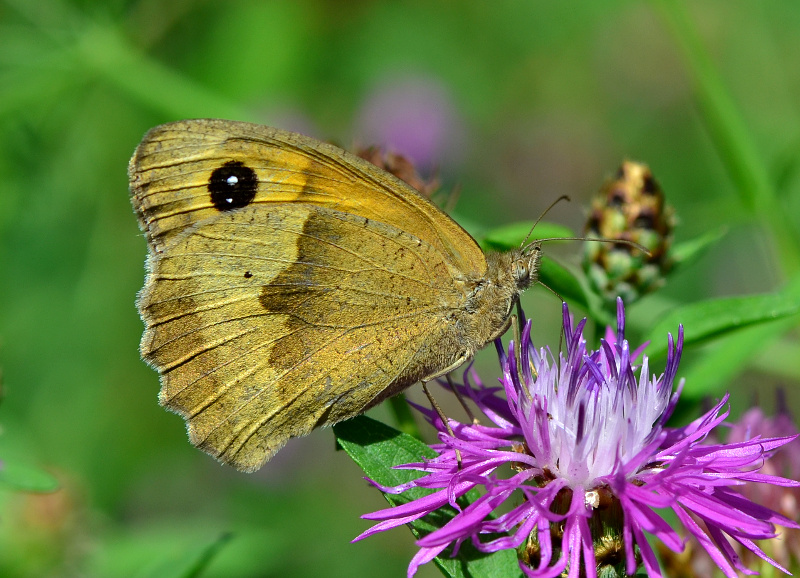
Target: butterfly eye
column 521, row 273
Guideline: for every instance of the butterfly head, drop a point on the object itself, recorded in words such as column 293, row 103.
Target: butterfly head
column 525, row 265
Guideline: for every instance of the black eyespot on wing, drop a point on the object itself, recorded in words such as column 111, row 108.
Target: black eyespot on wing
column 232, row 186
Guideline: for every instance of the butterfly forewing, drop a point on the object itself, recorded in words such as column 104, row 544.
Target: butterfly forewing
column 176, row 164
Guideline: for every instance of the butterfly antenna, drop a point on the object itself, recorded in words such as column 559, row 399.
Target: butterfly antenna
column 633, row 244
column 452, row 199
column 547, row 210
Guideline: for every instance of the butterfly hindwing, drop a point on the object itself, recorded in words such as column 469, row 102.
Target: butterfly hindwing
column 266, row 324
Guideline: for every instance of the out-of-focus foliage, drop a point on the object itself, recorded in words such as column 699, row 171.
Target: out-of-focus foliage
column 513, row 103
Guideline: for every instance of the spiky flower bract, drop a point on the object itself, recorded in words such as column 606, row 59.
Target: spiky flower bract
column 784, row 461
column 578, row 462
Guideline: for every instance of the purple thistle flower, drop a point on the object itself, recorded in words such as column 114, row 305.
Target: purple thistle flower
column 578, row 461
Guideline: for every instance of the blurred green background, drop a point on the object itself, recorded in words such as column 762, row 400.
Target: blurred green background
column 513, row 102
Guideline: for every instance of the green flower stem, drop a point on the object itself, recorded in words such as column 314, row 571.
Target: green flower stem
column 403, row 416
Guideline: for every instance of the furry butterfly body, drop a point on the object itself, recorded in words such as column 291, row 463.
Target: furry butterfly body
column 291, row 285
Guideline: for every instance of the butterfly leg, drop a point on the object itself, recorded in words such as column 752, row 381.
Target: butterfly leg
column 442, row 417
column 455, row 365
column 461, row 400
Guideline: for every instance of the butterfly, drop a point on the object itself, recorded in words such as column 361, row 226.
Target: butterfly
column 291, row 285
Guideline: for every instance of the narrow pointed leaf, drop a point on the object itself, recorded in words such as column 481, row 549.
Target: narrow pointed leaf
column 511, row 236
column 717, row 317
column 689, row 251
column 25, row 478
column 561, row 280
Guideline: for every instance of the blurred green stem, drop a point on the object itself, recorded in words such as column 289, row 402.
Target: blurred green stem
column 731, row 138
column 403, row 416
column 106, row 51
column 97, row 47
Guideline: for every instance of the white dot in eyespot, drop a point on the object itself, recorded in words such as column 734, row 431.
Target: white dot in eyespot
column 229, row 200
column 232, row 180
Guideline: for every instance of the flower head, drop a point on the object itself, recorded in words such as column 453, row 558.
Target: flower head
column 577, row 462
column 629, row 207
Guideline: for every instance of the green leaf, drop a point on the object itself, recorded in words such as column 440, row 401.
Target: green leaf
column 729, row 355
column 511, row 236
column 25, row 478
column 561, row 280
column 717, row 317
column 376, row 448
column 574, row 291
column 712, row 373
column 689, row 251
column 190, row 564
